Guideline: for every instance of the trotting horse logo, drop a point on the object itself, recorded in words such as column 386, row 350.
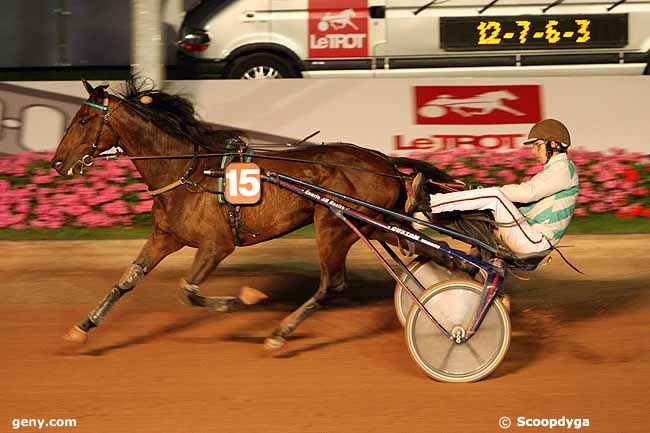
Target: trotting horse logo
column 338, row 32
column 337, row 21
column 448, row 105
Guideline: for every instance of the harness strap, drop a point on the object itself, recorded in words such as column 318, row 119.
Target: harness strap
column 101, row 107
column 169, row 187
column 232, row 218
column 236, row 224
column 184, row 178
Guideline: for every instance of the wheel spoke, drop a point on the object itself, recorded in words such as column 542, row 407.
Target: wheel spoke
column 445, row 360
column 261, row 73
column 474, row 352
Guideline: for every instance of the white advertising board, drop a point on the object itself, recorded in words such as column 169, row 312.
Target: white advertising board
column 395, row 116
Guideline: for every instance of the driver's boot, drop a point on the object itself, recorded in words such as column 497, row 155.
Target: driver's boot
column 419, row 200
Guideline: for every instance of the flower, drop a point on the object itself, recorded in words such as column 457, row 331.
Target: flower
column 631, row 175
column 507, row 175
column 142, row 207
column 580, row 212
column 42, row 179
column 95, row 219
column 117, row 207
column 136, row 187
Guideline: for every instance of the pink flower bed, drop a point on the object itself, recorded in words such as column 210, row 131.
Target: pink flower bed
column 32, row 195
column 112, row 194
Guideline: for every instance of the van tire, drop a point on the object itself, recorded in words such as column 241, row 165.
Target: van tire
column 268, row 66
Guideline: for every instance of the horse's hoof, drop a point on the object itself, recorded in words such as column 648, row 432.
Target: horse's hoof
column 251, row 296
column 183, row 299
column 185, row 290
column 222, row 308
column 76, row 335
column 274, row 343
column 183, row 296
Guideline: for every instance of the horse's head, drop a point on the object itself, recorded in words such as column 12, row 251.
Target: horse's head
column 503, row 94
column 88, row 134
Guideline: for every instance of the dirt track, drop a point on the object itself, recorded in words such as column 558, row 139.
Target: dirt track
column 579, row 347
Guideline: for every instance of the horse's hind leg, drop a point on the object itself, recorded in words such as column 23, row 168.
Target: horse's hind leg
column 333, row 239
column 158, row 246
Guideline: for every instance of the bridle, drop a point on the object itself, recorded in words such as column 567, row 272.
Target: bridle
column 87, row 159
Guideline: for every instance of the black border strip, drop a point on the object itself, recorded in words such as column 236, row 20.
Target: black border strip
column 338, row 65
column 569, row 59
column 451, row 62
column 636, row 57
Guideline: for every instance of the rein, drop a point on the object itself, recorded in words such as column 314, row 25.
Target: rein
column 88, row 159
column 258, row 156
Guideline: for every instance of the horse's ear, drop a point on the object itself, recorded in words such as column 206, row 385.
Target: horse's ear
column 88, row 86
column 101, row 90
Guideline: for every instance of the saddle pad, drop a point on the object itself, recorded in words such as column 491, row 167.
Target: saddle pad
column 227, row 159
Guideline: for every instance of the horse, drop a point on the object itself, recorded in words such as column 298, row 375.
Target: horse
column 143, row 121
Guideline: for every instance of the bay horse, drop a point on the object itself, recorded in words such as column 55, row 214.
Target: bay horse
column 147, row 122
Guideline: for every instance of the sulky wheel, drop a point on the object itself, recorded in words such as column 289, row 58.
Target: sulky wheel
column 428, row 273
column 453, row 303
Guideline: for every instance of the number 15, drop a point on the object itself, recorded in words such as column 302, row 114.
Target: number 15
column 243, row 184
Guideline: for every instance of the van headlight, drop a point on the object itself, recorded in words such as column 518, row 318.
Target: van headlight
column 195, row 41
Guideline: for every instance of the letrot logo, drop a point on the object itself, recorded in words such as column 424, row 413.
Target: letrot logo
column 33, row 119
column 336, row 32
column 477, row 105
column 337, row 21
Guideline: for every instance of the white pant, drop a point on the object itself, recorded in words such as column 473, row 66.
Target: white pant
column 521, row 238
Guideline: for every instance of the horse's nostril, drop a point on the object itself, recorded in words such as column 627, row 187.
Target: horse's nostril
column 57, row 164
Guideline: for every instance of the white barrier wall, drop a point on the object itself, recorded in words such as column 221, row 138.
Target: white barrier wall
column 396, row 116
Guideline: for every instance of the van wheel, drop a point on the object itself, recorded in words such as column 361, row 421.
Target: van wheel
column 261, row 66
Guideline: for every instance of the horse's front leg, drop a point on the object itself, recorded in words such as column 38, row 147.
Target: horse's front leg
column 158, row 246
column 205, row 261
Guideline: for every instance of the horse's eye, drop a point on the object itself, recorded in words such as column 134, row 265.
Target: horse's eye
column 83, row 121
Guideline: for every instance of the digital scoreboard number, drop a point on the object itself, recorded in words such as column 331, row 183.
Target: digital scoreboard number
column 533, row 32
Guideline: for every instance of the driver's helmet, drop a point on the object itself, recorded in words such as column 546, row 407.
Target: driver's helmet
column 550, row 129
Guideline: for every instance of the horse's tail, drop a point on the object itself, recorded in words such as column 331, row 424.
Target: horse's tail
column 430, row 171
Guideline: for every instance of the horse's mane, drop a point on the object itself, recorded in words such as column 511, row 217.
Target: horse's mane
column 173, row 114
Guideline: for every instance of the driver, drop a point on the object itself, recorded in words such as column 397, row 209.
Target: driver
column 547, row 200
